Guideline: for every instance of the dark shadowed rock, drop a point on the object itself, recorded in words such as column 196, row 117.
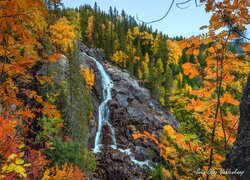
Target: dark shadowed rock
column 140, row 153
column 106, row 135
column 239, row 157
column 120, row 167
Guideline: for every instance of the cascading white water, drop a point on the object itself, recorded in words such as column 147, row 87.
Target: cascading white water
column 103, row 111
column 103, row 116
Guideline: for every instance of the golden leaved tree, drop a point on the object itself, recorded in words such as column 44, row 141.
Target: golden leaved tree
column 89, row 77
column 120, row 58
column 62, row 34
column 174, row 51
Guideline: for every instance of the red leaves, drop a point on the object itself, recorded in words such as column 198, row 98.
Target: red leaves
column 38, row 162
column 8, row 138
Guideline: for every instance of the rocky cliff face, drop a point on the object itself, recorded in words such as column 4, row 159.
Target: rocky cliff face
column 131, row 109
column 238, row 158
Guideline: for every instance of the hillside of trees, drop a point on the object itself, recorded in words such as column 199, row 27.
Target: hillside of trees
column 45, row 108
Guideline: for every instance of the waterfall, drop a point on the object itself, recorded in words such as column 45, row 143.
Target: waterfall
column 103, row 110
column 103, row 117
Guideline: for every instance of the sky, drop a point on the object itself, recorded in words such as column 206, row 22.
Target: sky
column 185, row 22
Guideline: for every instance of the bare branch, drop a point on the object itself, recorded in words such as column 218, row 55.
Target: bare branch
column 181, row 3
column 172, row 3
column 243, row 36
column 150, row 22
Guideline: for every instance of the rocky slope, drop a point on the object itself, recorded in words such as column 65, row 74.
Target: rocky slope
column 131, row 109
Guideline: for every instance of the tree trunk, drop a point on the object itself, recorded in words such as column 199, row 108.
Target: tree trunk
column 239, row 156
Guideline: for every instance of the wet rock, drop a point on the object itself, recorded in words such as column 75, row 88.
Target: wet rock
column 122, row 99
column 113, row 164
column 106, row 135
column 140, row 153
column 132, row 109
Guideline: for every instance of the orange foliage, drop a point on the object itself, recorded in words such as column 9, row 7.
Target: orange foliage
column 67, row 172
column 8, row 140
column 190, row 69
column 22, row 25
column 145, row 136
column 213, row 104
column 246, row 48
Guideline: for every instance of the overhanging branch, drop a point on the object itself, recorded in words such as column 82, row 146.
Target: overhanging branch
column 169, row 9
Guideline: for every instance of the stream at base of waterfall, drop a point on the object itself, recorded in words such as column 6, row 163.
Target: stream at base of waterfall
column 103, row 117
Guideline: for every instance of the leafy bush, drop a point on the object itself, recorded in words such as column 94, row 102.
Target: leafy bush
column 70, row 152
column 49, row 128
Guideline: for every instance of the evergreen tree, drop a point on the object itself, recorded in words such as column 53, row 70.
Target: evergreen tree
column 168, row 83
column 90, row 30
column 78, row 105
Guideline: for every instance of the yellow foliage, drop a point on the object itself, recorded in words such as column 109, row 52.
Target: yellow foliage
column 145, row 67
column 15, row 165
column 156, row 44
column 169, row 129
column 129, row 41
column 159, row 69
column 136, row 31
column 62, row 34
column 89, row 77
column 136, row 59
column 167, row 174
column 120, row 58
column 146, row 37
column 162, row 95
column 139, row 73
column 174, row 51
column 180, row 77
column 187, row 88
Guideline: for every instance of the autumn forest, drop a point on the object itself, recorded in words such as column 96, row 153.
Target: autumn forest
column 89, row 94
